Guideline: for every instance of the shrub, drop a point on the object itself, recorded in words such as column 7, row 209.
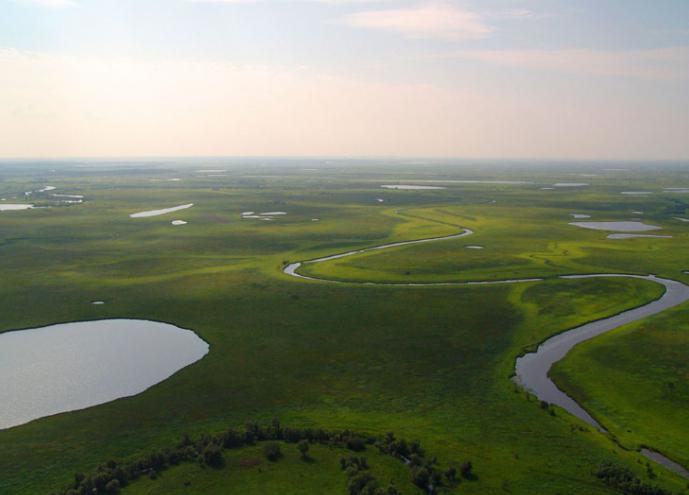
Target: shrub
column 113, row 486
column 356, row 444
column 232, row 439
column 303, row 447
column 626, row 481
column 272, row 451
column 362, row 483
column 212, row 456
column 466, row 469
column 421, row 476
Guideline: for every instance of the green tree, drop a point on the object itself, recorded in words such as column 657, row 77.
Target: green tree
column 272, row 451
column 303, row 447
column 212, row 455
column 113, row 487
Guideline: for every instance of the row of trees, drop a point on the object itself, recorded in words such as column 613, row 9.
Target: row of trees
column 425, row 472
column 207, row 450
column 360, row 481
column 626, row 481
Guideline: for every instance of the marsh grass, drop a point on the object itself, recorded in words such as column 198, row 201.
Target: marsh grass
column 430, row 363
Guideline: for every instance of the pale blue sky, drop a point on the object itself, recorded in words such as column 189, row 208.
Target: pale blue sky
column 567, row 79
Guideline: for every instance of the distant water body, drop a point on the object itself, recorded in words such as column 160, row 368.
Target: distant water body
column 155, row 213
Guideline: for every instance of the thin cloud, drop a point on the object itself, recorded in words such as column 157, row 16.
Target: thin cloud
column 661, row 63
column 333, row 2
column 74, row 105
column 53, row 4
column 440, row 20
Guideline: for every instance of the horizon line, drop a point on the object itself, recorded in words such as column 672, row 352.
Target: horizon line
column 26, row 158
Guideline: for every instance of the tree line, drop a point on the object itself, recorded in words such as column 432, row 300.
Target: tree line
column 207, row 450
column 626, row 481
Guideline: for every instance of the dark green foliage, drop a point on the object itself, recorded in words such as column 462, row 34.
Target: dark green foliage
column 78, row 478
column 358, row 463
column 466, row 469
column 626, row 481
column 272, row 451
column 207, row 450
column 113, row 486
column 362, row 483
column 356, row 444
column 212, row 455
column 303, row 447
column 421, row 476
column 275, row 430
column 232, row 439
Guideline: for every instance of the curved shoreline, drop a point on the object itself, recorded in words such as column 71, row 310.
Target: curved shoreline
column 532, row 369
column 84, row 386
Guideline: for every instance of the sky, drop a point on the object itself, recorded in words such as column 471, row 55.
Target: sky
column 584, row 79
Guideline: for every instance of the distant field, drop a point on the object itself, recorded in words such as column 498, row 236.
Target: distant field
column 429, row 363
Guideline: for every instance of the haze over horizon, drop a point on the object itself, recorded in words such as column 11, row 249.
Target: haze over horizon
column 492, row 79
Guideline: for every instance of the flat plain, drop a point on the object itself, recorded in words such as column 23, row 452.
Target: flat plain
column 369, row 353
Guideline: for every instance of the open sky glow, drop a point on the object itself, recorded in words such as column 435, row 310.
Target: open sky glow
column 489, row 78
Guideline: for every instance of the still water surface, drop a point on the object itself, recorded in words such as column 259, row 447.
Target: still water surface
column 71, row 366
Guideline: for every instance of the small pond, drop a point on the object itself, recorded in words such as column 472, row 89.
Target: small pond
column 634, row 236
column 409, row 187
column 14, row 207
column 618, row 226
column 155, row 213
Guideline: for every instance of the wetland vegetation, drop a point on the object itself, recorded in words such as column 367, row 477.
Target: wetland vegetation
column 430, row 363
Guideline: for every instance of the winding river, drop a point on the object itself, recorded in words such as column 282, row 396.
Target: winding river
column 531, row 370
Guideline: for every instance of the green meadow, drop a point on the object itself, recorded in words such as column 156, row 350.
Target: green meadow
column 646, row 387
column 432, row 363
column 248, row 471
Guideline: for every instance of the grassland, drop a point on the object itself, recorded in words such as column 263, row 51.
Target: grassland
column 430, row 363
column 247, row 471
column 645, row 389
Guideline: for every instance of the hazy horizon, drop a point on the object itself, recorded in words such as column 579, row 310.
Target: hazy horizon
column 379, row 79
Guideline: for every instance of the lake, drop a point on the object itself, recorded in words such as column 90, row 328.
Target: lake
column 71, row 366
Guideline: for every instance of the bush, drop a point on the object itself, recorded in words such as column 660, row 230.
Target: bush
column 421, row 477
column 466, row 469
column 232, row 439
column 303, row 447
column 272, row 451
column 626, row 481
column 357, row 463
column 113, row 486
column 212, row 456
column 356, row 444
column 362, row 483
